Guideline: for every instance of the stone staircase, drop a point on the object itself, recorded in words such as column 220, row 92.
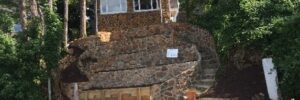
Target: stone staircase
column 208, row 69
column 207, row 80
column 217, row 99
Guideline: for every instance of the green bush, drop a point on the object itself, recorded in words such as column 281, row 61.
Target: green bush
column 6, row 23
column 269, row 26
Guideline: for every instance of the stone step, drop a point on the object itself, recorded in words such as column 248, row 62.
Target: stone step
column 210, row 70
column 202, row 86
column 217, row 99
column 211, row 63
column 143, row 59
column 208, row 82
column 208, row 75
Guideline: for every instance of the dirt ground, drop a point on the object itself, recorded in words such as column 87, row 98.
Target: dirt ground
column 243, row 84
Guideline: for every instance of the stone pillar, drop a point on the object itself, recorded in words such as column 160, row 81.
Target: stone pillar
column 165, row 10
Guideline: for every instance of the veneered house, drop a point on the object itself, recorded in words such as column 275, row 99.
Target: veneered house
column 137, row 56
column 124, row 14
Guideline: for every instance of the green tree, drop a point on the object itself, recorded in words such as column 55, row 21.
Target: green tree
column 53, row 39
column 269, row 26
column 27, row 59
column 6, row 22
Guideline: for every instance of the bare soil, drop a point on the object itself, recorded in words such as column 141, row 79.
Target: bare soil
column 243, row 84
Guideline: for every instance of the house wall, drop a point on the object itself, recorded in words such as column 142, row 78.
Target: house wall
column 131, row 19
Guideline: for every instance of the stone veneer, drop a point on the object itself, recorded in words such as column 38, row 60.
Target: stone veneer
column 120, row 21
column 132, row 19
column 138, row 77
column 136, row 58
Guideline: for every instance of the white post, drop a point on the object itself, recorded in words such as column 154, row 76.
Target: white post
column 271, row 78
column 49, row 88
column 75, row 92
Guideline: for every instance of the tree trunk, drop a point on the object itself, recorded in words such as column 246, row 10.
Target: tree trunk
column 50, row 3
column 22, row 4
column 66, row 19
column 96, row 16
column 33, row 8
column 83, row 18
column 42, row 19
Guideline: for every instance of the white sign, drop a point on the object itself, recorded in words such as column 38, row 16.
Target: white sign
column 172, row 53
column 271, row 78
column 75, row 92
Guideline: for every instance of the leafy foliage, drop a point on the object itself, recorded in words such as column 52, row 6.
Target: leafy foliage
column 269, row 26
column 285, row 47
column 53, row 39
column 19, row 71
column 27, row 59
column 6, row 22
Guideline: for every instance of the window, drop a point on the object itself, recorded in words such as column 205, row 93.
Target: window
column 113, row 6
column 145, row 5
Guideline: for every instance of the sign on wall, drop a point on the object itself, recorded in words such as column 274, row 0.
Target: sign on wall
column 172, row 53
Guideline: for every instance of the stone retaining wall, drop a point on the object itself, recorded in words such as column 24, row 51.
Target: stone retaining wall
column 136, row 57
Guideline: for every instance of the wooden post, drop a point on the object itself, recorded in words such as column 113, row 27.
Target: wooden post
column 103, row 95
column 120, row 96
column 86, row 96
column 138, row 94
column 49, row 89
column 151, row 92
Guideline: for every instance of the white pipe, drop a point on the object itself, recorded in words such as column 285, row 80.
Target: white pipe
column 75, row 92
column 49, row 89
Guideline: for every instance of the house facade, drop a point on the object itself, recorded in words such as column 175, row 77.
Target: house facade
column 133, row 65
column 128, row 58
column 125, row 14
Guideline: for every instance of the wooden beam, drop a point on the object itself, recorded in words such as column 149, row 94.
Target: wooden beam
column 138, row 94
column 86, row 95
column 103, row 95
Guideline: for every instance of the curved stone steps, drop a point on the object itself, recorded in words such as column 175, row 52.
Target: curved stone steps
column 218, row 99
column 207, row 79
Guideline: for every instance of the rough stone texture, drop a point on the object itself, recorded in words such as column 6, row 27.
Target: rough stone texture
column 136, row 57
column 128, row 20
column 138, row 77
column 174, row 88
